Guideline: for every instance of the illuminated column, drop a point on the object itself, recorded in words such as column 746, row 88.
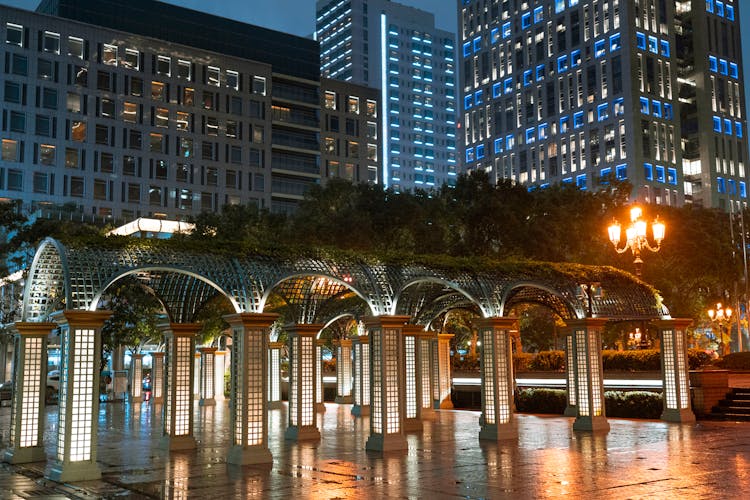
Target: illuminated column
column 427, row 410
column 157, row 377
column 249, row 423
column 208, row 374
column 136, row 376
column 220, row 358
column 412, row 390
column 196, row 379
column 386, row 383
column 274, row 374
column 27, row 412
column 344, row 371
column 441, row 377
column 496, row 366
column 587, row 370
column 361, row 345
column 319, row 402
column 180, row 375
column 78, row 407
column 302, row 382
column 675, row 371
column 571, row 410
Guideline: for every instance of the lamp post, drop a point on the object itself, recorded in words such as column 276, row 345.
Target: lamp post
column 722, row 316
column 637, row 236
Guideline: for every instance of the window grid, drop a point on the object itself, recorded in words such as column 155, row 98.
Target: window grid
column 183, row 388
column 410, row 354
column 572, row 395
column 307, row 353
column 344, row 367
column 365, row 374
column 376, row 413
column 682, row 379
column 445, row 375
column 581, row 374
column 274, row 386
column 32, row 385
column 207, row 375
column 488, row 367
column 239, row 372
column 425, row 373
column 594, row 369
column 435, row 371
column 81, row 414
column 391, row 371
column 157, row 375
column 668, row 352
column 503, row 380
column 255, row 392
column 294, row 381
column 318, row 374
column 62, row 394
column 136, row 369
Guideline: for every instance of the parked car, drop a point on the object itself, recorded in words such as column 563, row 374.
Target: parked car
column 6, row 391
column 53, row 386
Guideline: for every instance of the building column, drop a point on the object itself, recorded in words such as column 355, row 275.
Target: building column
column 571, row 409
column 361, row 345
column 78, row 405
column 344, row 371
column 588, row 374
column 319, row 399
column 157, row 377
column 274, row 374
column 441, row 364
column 136, row 377
column 208, row 376
column 29, row 396
column 386, row 383
column 196, row 378
column 412, row 371
column 220, row 358
column 302, row 382
column 675, row 370
column 427, row 410
column 496, row 367
column 180, row 376
column 249, row 422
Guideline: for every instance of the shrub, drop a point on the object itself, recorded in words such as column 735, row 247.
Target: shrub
column 698, row 358
column 633, row 404
column 735, row 361
column 541, row 401
column 521, row 361
column 553, row 361
column 329, row 366
column 466, row 364
column 644, row 360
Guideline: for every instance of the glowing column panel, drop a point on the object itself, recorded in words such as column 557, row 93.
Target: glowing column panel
column 361, row 345
column 319, row 402
column 386, row 383
column 412, row 371
column 78, row 407
column 136, row 377
column 441, row 366
column 249, row 423
column 157, row 377
column 208, row 375
column 587, row 371
column 496, row 367
column 570, row 377
column 344, row 371
column 27, row 411
column 675, row 372
column 220, row 364
column 303, row 368
column 274, row 374
column 427, row 410
column 180, row 375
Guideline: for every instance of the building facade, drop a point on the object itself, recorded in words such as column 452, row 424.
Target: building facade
column 585, row 91
column 398, row 50
column 125, row 109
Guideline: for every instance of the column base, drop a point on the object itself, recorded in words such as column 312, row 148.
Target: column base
column 683, row 415
column 446, row 404
column 72, row 472
column 595, row 424
column 498, row 432
column 307, row 433
column 361, row 410
column 207, row 402
column 177, row 443
column 250, row 455
column 275, row 405
column 386, row 442
column 343, row 400
column 320, row 407
column 413, row 424
column 570, row 411
column 25, row 455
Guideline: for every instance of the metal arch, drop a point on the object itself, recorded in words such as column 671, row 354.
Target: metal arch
column 432, row 280
column 35, row 303
column 335, row 319
column 573, row 310
column 468, row 306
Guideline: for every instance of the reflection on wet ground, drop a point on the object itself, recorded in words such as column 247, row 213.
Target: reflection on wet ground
column 636, row 459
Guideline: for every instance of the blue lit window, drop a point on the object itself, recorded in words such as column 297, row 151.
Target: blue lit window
column 656, row 108
column 672, row 176
column 526, row 20
column 393, row 81
column 709, row 5
column 648, row 171
column 562, row 64
column 599, row 48
column 559, row 6
column 567, row 180
column 604, row 175
column 543, row 128
column 717, row 124
column 497, row 90
column 477, row 43
column 730, row 12
column 467, row 101
column 575, row 58
column 668, row 113
column 732, row 186
column 540, row 72
column 495, row 35
column 660, row 174
column 640, row 40
column 564, row 123
column 664, row 48
column 743, row 189
column 469, row 155
column 738, row 129
column 498, row 145
column 621, row 172
column 619, row 106
column 615, row 42
column 510, row 141
column 506, row 30
column 602, row 112
column 723, row 67
column 538, row 15
column 578, row 119
column 581, row 182
column 727, row 126
column 480, row 152
column 572, row 3
column 478, row 97
column 720, row 9
column 713, row 63
column 720, row 185
column 508, row 85
column 645, row 108
column 467, row 49
column 530, row 135
column 527, row 77
column 653, row 44
column 734, row 71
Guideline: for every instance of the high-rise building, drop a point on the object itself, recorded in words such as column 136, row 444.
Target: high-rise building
column 128, row 108
column 398, row 50
column 584, row 91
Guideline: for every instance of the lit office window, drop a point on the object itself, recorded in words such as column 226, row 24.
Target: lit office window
column 109, row 55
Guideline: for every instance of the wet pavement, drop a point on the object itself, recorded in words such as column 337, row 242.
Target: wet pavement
column 636, row 459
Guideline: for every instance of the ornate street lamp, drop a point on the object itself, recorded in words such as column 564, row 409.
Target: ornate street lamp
column 722, row 316
column 637, row 236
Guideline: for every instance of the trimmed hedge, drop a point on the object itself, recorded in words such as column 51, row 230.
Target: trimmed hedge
column 628, row 404
column 548, row 361
column 735, row 361
column 541, row 401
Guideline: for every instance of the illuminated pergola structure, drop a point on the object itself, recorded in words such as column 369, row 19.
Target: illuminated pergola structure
column 400, row 361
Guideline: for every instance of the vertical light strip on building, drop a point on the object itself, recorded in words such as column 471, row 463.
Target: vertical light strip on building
column 384, row 101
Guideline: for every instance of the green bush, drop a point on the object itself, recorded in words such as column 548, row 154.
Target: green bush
column 735, row 361
column 466, row 364
column 521, row 361
column 643, row 360
column 329, row 366
column 552, row 361
column 698, row 358
column 541, row 401
column 633, row 404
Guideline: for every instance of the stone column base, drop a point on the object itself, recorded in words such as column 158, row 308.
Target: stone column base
column 498, row 432
column 591, row 424
column 73, row 472
column 360, row 410
column 307, row 433
column 176, row 443
column 25, row 455
column 249, row 456
column 386, row 442
column 684, row 415
column 570, row 411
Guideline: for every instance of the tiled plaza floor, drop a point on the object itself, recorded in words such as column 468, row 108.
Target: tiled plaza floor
column 636, row 459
